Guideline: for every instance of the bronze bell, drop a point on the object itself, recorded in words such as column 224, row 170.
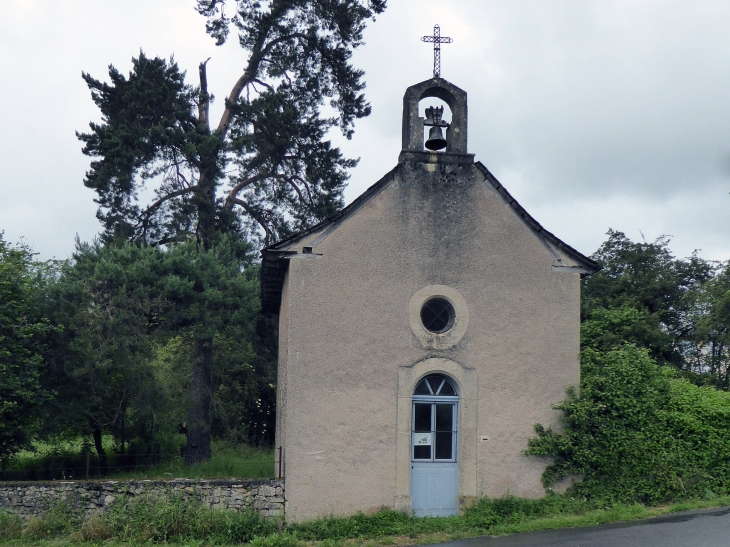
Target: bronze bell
column 436, row 139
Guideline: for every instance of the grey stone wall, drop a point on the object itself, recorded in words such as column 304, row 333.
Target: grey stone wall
column 29, row 499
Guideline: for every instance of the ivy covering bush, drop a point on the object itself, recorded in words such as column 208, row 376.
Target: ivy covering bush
column 637, row 432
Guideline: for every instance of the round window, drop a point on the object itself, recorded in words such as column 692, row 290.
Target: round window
column 437, row 315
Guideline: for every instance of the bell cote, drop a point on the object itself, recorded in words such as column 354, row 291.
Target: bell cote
column 414, row 125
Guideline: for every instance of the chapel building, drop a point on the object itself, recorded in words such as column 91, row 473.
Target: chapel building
column 423, row 331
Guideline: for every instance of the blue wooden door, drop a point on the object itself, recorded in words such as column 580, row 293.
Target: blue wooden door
column 434, row 465
column 434, row 489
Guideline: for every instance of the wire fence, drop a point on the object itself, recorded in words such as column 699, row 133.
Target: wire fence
column 49, row 467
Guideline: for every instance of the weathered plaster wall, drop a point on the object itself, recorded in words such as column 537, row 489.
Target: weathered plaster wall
column 281, row 381
column 29, row 499
column 348, row 334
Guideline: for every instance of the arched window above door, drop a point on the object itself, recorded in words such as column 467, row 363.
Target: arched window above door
column 435, row 385
column 434, row 420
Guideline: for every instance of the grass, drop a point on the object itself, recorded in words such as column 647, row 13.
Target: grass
column 64, row 461
column 174, row 521
column 230, row 461
column 65, row 447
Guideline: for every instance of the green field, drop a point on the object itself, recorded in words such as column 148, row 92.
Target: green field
column 241, row 462
column 66, row 461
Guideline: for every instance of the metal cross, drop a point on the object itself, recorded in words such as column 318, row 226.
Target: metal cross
column 437, row 41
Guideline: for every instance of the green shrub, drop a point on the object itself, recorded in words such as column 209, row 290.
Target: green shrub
column 180, row 521
column 96, row 528
column 275, row 540
column 145, row 519
column 58, row 520
column 244, row 527
column 637, row 432
column 11, row 527
column 385, row 522
column 487, row 513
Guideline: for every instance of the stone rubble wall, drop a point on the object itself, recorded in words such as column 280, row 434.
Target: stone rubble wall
column 32, row 499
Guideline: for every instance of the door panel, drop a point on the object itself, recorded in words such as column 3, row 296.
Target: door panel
column 434, row 489
column 434, row 471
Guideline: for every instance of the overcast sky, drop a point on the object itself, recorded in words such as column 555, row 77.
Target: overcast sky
column 593, row 114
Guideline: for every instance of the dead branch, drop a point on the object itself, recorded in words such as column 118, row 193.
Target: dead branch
column 204, row 101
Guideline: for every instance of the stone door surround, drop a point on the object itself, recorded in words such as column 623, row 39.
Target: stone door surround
column 466, row 382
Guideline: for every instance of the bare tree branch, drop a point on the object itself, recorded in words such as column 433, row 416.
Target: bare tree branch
column 267, row 86
column 267, row 49
column 225, row 121
column 241, row 185
column 179, row 174
column 291, row 183
column 253, row 214
column 306, row 187
column 175, row 238
column 204, row 102
column 248, row 76
column 146, row 213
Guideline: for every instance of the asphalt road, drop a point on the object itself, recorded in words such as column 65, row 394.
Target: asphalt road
column 702, row 528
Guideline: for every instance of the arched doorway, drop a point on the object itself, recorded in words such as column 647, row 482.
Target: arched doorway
column 434, row 432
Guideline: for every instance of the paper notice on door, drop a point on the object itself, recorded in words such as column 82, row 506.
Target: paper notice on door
column 422, row 439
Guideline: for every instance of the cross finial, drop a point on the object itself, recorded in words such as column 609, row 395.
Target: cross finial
column 437, row 41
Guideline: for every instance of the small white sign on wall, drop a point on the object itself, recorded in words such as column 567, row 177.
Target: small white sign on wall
column 422, row 439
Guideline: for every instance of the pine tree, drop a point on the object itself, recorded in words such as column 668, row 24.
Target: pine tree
column 266, row 166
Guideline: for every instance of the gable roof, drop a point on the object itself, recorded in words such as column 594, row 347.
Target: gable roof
column 586, row 263
column 276, row 257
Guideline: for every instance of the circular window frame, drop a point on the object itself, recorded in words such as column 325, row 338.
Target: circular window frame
column 431, row 306
column 447, row 338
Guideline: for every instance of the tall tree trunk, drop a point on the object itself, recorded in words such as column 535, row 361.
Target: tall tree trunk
column 197, row 448
column 99, row 449
column 122, row 425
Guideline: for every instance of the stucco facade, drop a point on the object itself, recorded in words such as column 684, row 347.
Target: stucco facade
column 352, row 347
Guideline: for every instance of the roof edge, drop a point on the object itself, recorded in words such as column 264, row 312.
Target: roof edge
column 535, row 226
column 275, row 260
column 346, row 211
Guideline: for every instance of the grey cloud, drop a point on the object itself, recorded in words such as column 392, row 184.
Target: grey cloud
column 592, row 113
